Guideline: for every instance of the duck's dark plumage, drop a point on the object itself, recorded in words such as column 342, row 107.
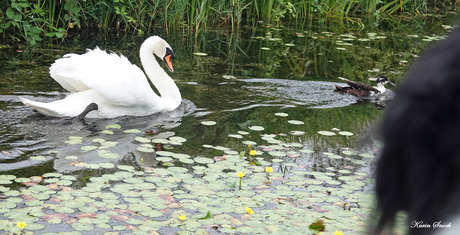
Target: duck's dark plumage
column 360, row 89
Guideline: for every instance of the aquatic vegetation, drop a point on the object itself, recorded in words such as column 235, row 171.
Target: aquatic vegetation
column 145, row 198
column 32, row 20
column 21, row 225
column 118, row 175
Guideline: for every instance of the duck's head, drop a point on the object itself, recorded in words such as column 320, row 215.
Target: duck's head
column 384, row 80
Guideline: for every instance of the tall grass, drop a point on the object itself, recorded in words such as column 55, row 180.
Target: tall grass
column 33, row 19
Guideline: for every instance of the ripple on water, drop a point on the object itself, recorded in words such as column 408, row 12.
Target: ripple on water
column 313, row 94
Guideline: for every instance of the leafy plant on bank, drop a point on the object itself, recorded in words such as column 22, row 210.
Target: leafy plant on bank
column 31, row 20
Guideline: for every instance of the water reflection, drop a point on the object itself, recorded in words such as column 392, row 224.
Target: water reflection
column 45, row 135
column 290, row 68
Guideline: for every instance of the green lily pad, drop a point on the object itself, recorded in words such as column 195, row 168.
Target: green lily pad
column 326, row 133
column 107, row 132
column 200, row 53
column 132, row 131
column 203, row 160
column 209, row 123
column 346, row 133
column 297, row 132
column 142, row 139
column 113, row 126
column 366, row 155
column 296, row 122
column 145, row 149
column 256, row 128
column 281, row 114
column 38, row 158
column 235, row 136
column 88, row 147
column 82, row 227
column 107, row 154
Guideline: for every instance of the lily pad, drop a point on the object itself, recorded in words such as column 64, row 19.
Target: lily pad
column 200, row 53
column 326, row 133
column 209, row 123
column 256, row 128
column 132, row 131
column 113, row 126
column 281, row 114
column 296, row 122
column 346, row 133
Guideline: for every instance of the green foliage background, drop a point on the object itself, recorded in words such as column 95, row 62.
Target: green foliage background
column 33, row 19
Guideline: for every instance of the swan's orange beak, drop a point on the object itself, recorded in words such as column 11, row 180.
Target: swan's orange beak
column 168, row 61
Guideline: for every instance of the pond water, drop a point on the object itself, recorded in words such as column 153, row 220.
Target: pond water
column 263, row 87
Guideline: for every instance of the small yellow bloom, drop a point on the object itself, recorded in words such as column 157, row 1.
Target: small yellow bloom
column 240, row 174
column 21, row 225
column 338, row 232
column 249, row 145
column 252, row 152
column 182, row 217
column 250, row 211
column 268, row 169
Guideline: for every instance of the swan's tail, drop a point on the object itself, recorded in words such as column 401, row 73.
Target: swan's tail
column 40, row 107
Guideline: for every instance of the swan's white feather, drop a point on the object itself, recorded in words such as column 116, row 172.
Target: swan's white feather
column 112, row 82
column 111, row 76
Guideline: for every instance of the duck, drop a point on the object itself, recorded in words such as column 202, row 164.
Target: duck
column 118, row 87
column 417, row 171
column 361, row 90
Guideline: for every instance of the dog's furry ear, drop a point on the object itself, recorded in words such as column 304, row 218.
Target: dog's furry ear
column 417, row 171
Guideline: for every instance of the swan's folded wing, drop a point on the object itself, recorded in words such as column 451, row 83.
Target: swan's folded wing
column 111, row 76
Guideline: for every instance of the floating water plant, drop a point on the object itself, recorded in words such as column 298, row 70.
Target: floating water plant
column 209, row 123
column 241, row 175
column 256, row 128
column 200, row 54
column 345, row 133
column 21, row 225
column 326, row 133
column 182, row 218
column 296, row 122
column 268, row 170
column 281, row 114
column 249, row 210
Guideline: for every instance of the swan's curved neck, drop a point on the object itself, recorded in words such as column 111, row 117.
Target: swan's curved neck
column 169, row 92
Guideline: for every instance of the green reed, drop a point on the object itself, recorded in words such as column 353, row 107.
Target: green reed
column 33, row 19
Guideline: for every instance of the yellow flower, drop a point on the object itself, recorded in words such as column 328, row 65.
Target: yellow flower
column 338, row 232
column 240, row 174
column 182, row 217
column 21, row 225
column 249, row 145
column 252, row 152
column 268, row 169
column 250, row 211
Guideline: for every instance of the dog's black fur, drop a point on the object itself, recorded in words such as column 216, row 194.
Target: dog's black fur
column 419, row 169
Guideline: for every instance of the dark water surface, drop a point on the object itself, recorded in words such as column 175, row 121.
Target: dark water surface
column 246, row 78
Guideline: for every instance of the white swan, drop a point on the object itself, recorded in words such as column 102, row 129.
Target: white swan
column 118, row 87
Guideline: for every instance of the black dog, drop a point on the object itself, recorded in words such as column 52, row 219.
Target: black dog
column 419, row 169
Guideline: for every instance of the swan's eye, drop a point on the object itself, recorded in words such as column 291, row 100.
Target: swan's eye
column 170, row 52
